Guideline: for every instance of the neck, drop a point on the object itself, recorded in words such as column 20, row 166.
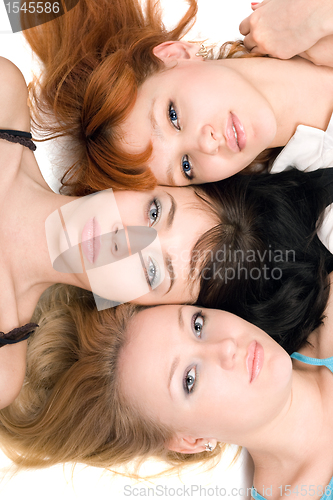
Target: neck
column 278, row 443
column 301, row 434
column 286, row 449
column 26, row 201
column 298, row 91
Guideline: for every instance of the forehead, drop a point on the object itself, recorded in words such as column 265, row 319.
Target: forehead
column 194, row 68
column 151, row 335
column 153, row 323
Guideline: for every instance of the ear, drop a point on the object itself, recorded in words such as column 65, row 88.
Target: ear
column 175, row 50
column 190, row 445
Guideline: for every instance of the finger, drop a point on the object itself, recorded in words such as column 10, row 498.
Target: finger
column 249, row 42
column 256, row 50
column 305, row 55
column 244, row 26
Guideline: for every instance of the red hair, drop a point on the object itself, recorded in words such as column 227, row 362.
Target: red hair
column 95, row 57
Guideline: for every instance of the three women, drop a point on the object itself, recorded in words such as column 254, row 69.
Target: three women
column 234, row 132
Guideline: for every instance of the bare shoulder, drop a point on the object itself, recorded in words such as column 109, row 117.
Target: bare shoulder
column 14, row 110
column 12, row 371
column 325, row 332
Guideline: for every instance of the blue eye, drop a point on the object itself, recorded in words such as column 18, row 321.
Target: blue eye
column 187, row 167
column 152, row 274
column 198, row 323
column 154, row 212
column 173, row 117
column 189, row 380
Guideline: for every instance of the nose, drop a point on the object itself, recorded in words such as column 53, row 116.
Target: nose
column 225, row 353
column 209, row 140
column 131, row 239
column 119, row 244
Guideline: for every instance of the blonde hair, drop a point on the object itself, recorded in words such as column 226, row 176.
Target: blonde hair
column 70, row 408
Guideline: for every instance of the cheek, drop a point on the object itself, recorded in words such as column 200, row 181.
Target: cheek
column 120, row 281
column 130, row 208
column 272, row 393
column 216, row 169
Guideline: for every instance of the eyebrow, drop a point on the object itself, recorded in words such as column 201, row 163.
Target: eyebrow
column 158, row 132
column 170, row 177
column 174, row 365
column 171, row 271
column 168, row 260
column 175, row 362
column 172, row 211
column 154, row 125
column 180, row 317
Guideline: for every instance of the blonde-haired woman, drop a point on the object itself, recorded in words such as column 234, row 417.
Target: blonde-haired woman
column 174, row 382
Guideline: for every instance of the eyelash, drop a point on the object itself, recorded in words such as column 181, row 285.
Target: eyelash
column 151, row 264
column 188, row 174
column 188, row 374
column 194, row 319
column 173, row 111
column 158, row 206
column 188, row 389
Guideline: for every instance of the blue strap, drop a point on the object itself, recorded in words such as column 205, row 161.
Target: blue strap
column 257, row 495
column 326, row 496
column 328, row 362
column 329, row 491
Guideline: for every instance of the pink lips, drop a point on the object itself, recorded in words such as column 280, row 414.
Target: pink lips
column 254, row 360
column 234, row 125
column 90, row 240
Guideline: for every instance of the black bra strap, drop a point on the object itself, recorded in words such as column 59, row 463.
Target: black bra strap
column 17, row 334
column 18, row 136
column 18, row 133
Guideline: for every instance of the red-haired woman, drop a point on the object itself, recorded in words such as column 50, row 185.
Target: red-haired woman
column 142, row 107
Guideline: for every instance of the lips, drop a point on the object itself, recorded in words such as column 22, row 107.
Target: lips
column 241, row 136
column 91, row 240
column 254, row 360
column 235, row 134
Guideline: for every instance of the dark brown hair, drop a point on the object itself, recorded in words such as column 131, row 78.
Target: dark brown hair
column 265, row 262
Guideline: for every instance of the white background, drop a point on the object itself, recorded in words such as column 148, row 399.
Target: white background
column 218, row 21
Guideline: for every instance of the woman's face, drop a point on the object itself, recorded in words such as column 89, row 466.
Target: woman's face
column 160, row 273
column 205, row 120
column 204, row 372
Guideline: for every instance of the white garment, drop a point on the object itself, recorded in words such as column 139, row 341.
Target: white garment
column 309, row 149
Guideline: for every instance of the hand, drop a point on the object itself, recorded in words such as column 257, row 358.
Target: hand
column 284, row 28
column 321, row 53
